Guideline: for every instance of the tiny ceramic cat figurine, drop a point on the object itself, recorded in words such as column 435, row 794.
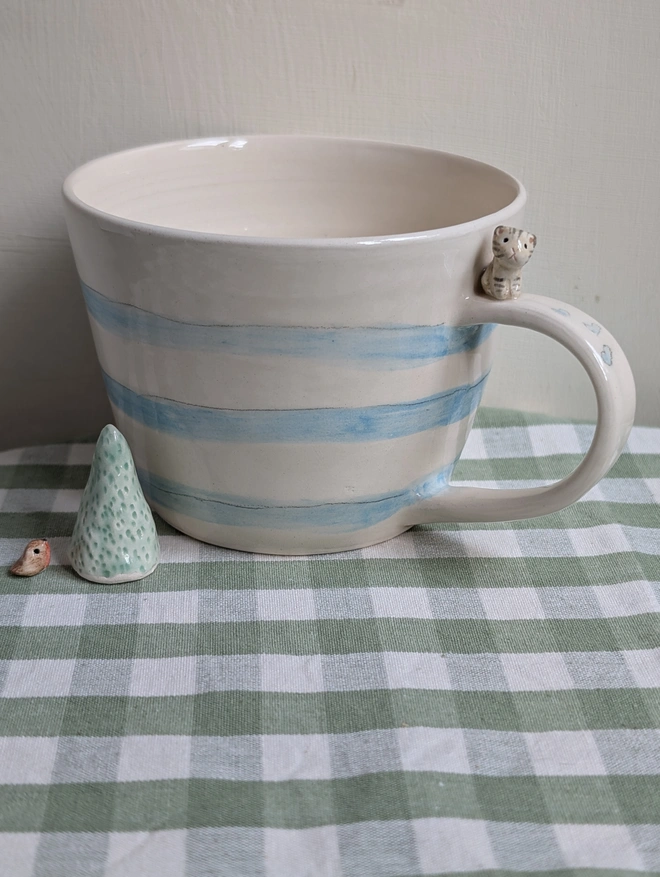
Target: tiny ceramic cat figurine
column 512, row 249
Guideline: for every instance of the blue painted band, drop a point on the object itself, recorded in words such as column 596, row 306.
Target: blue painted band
column 392, row 347
column 372, row 423
column 227, row 510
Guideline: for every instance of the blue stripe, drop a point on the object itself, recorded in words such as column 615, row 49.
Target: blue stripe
column 224, row 509
column 374, row 423
column 391, row 347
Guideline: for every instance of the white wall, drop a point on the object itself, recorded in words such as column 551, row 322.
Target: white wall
column 563, row 94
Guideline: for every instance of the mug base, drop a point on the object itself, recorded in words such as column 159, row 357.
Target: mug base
column 281, row 542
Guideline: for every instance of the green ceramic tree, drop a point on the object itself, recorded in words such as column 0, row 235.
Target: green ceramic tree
column 114, row 539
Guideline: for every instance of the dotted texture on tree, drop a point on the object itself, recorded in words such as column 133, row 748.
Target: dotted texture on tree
column 114, row 533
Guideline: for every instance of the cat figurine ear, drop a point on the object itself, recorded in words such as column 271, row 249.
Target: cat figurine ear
column 512, row 250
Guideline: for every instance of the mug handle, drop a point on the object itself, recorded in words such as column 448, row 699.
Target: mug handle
column 612, row 380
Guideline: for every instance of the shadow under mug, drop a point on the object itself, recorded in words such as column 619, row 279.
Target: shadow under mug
column 292, row 338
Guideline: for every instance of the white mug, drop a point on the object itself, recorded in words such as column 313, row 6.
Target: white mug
column 294, row 340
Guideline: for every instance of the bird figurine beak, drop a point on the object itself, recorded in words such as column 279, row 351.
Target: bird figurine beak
column 34, row 559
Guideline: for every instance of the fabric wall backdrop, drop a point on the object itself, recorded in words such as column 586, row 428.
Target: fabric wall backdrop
column 562, row 95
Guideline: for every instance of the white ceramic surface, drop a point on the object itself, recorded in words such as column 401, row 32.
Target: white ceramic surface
column 293, row 342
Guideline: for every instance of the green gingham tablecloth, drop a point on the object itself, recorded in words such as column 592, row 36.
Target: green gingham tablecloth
column 465, row 699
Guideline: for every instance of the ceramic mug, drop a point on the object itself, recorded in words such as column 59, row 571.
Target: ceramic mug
column 293, row 340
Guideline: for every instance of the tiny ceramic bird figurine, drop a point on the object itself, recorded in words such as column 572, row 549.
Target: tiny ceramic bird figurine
column 34, row 559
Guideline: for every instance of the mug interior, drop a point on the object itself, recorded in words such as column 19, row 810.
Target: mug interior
column 291, row 187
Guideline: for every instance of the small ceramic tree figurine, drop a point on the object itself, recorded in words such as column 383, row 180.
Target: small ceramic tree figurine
column 114, row 539
column 512, row 250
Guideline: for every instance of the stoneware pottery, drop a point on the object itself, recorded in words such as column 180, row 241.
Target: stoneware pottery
column 35, row 558
column 295, row 336
column 114, row 538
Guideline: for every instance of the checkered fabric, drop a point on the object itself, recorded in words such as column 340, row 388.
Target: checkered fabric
column 473, row 699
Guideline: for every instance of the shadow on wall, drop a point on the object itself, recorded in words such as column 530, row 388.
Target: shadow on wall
column 51, row 388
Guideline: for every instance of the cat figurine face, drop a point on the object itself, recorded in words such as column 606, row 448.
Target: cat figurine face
column 513, row 245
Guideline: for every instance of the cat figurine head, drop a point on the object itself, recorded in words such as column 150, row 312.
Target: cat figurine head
column 513, row 245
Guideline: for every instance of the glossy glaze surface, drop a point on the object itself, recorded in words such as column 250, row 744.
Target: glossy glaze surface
column 288, row 329
column 114, row 539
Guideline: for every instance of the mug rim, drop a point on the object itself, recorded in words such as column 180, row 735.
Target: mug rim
column 487, row 221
